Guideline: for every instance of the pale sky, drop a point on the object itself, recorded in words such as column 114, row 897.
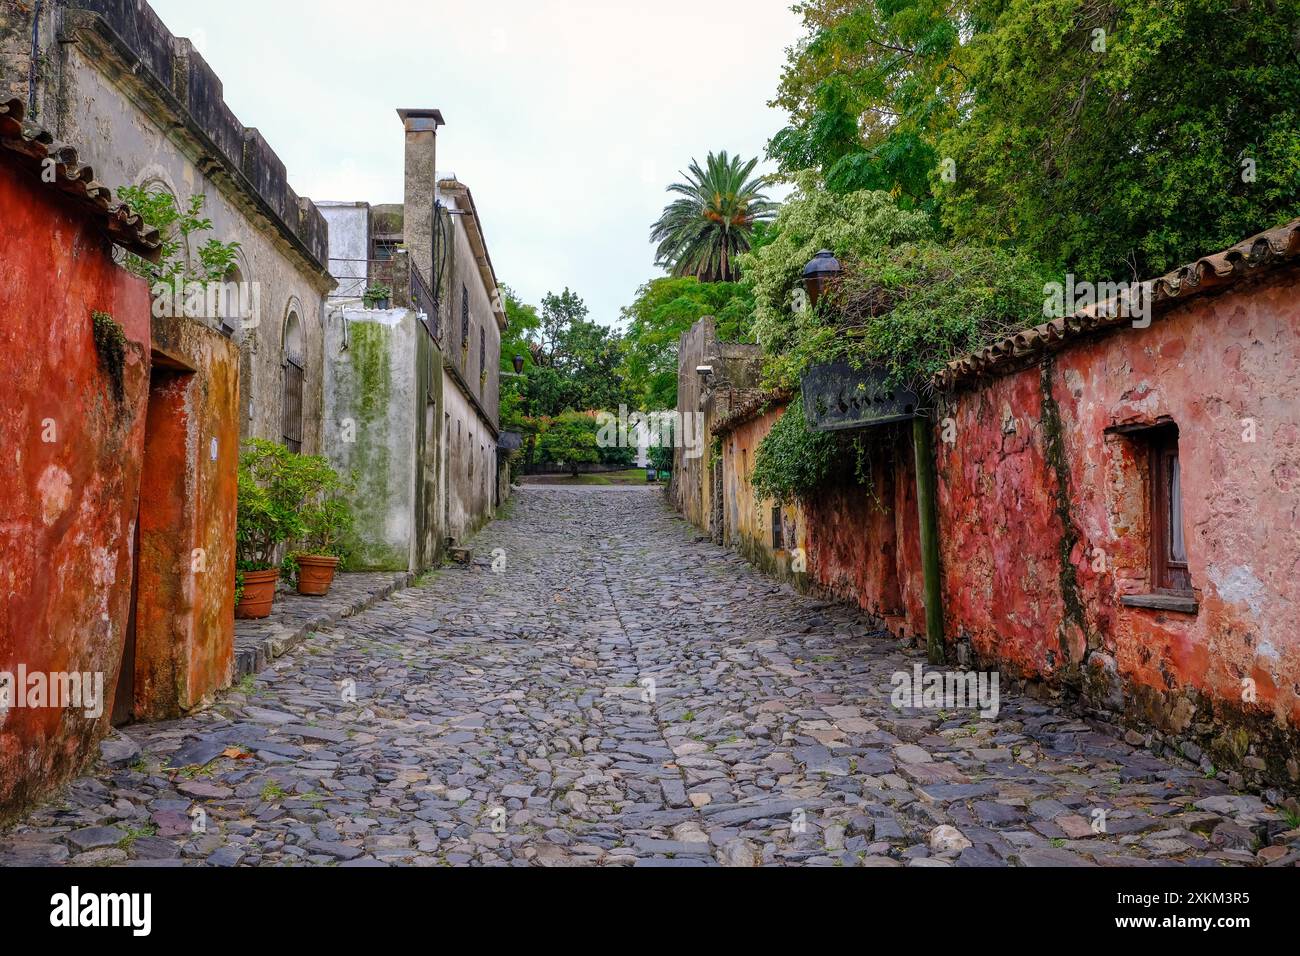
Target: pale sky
column 567, row 118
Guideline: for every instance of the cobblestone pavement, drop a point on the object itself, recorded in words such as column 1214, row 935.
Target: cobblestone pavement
column 498, row 719
column 295, row 616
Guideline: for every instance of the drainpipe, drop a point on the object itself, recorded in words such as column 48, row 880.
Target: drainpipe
column 928, row 511
column 31, row 66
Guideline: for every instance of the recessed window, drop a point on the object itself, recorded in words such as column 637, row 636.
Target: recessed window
column 295, row 363
column 1170, row 579
column 1168, row 544
column 464, row 316
column 778, row 529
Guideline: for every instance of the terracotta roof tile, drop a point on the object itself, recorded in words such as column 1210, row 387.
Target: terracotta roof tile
column 35, row 145
column 1252, row 257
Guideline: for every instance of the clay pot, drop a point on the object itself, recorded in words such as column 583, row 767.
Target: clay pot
column 315, row 574
column 259, row 594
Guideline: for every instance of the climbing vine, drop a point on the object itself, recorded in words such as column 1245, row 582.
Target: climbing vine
column 793, row 462
column 907, row 301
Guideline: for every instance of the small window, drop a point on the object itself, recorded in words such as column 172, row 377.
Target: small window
column 778, row 530
column 1169, row 572
column 482, row 356
column 464, row 316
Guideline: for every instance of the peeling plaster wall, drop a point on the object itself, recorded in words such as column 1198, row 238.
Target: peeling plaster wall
column 185, row 636
column 1045, row 523
column 864, row 541
column 143, row 108
column 736, row 372
column 747, row 518
column 128, row 147
column 462, row 353
column 70, row 467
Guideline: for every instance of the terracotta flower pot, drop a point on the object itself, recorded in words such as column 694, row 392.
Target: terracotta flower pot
column 316, row 574
column 259, row 594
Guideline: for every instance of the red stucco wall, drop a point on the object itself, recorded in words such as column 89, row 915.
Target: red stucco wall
column 185, row 620
column 1035, row 578
column 864, row 541
column 67, row 513
column 1044, row 525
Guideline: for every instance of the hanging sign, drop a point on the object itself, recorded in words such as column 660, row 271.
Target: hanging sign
column 838, row 397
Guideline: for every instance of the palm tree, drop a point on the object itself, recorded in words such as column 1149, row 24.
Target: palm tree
column 702, row 233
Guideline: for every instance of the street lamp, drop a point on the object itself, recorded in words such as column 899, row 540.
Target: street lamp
column 519, row 365
column 819, row 274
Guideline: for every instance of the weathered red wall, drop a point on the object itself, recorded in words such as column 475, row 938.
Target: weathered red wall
column 1044, row 525
column 67, row 513
column 1034, row 578
column 185, row 617
column 864, row 541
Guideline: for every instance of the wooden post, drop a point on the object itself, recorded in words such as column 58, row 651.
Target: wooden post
column 928, row 510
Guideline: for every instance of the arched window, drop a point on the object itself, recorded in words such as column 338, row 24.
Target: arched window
column 295, row 363
column 229, row 302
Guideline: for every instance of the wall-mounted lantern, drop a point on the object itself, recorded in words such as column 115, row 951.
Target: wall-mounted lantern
column 818, row 275
column 519, row 365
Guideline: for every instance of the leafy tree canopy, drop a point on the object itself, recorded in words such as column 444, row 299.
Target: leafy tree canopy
column 1120, row 140
column 867, row 90
column 815, row 218
column 1115, row 140
column 663, row 310
column 571, row 440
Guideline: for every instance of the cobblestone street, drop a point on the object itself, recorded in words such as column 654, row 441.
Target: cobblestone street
column 499, row 719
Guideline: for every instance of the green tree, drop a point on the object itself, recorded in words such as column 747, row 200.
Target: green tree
column 522, row 326
column 559, row 313
column 178, row 227
column 569, row 440
column 663, row 310
column 703, row 232
column 1119, row 140
column 868, row 89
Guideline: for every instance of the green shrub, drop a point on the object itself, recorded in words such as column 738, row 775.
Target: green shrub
column 570, row 440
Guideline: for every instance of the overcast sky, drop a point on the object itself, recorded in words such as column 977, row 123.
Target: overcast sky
column 567, row 118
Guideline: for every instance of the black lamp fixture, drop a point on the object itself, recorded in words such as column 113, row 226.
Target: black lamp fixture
column 819, row 274
column 519, row 365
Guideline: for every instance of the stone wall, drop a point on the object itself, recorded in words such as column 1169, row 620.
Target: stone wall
column 71, row 472
column 372, row 400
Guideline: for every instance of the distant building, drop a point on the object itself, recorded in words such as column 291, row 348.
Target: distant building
column 413, row 357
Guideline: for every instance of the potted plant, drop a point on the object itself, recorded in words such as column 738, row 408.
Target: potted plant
column 326, row 520
column 267, row 517
column 377, row 296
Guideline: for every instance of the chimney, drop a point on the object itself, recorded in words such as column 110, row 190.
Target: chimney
column 421, row 186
